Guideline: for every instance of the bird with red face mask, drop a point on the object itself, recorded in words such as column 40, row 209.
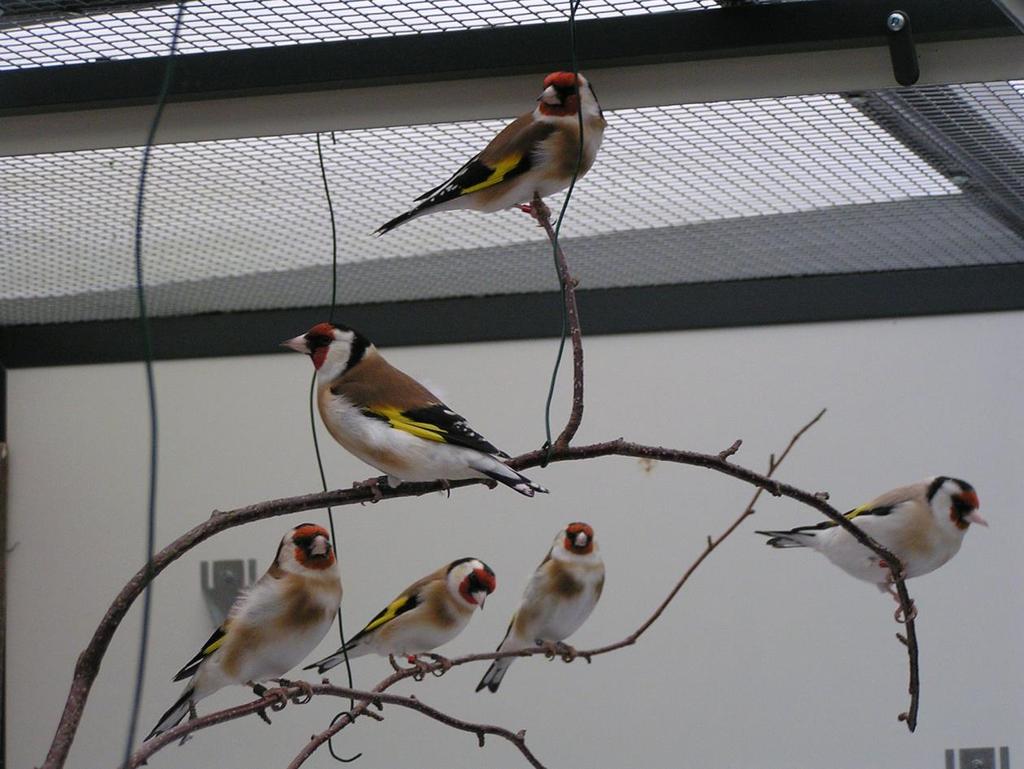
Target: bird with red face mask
column 558, row 599
column 535, row 155
column 428, row 613
column 922, row 524
column 271, row 627
column 390, row 421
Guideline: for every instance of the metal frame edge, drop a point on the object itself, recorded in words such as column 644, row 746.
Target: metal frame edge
column 766, row 301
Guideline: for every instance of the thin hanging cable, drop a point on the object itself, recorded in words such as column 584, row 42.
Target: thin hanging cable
column 147, row 351
column 312, row 427
column 334, row 242
column 573, row 6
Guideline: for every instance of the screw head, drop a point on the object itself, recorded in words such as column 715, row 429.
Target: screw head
column 896, row 21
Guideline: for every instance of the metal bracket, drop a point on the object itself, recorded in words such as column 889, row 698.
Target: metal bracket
column 228, row 580
column 902, row 52
column 978, row 758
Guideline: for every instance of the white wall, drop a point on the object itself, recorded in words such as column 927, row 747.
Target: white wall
column 768, row 659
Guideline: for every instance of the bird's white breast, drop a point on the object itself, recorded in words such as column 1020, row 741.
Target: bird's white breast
column 921, row 549
column 549, row 616
column 569, row 614
column 415, row 637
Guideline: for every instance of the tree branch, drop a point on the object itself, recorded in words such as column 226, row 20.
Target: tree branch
column 277, row 699
column 88, row 663
column 773, row 464
column 439, row 668
column 543, row 216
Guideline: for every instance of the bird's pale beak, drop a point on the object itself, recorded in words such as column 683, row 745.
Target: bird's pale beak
column 975, row 517
column 550, row 96
column 480, row 596
column 581, row 539
column 320, row 546
column 298, row 344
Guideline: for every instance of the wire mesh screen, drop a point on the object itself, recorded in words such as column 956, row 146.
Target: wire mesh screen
column 217, row 25
column 973, row 133
column 680, row 193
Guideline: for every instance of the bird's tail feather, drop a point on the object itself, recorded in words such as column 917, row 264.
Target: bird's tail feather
column 784, row 539
column 174, row 714
column 440, row 201
column 338, row 657
column 412, row 213
column 502, row 473
column 496, row 672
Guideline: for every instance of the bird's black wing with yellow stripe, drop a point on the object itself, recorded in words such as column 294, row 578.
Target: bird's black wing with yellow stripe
column 402, row 604
column 792, row 537
column 857, row 512
column 478, row 175
column 510, row 154
column 473, row 172
column 473, row 176
column 435, row 422
column 208, row 648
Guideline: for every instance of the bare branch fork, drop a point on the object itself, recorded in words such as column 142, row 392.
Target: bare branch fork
column 88, row 663
column 275, row 699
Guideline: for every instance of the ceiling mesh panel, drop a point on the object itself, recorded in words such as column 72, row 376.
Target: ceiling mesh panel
column 902, row 179
column 217, row 25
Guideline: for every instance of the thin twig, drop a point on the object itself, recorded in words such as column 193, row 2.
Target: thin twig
column 543, row 216
column 732, row 450
column 910, row 641
column 276, row 699
column 773, row 464
column 339, row 723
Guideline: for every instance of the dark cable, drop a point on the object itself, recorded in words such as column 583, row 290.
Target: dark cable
column 334, row 260
column 547, row 447
column 312, row 428
column 147, row 352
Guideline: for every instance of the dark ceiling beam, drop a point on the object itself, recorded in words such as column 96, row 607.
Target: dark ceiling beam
column 805, row 299
column 650, row 38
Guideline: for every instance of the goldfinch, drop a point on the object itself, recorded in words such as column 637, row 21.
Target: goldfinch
column 271, row 627
column 923, row 525
column 428, row 613
column 561, row 594
column 392, row 422
column 535, row 154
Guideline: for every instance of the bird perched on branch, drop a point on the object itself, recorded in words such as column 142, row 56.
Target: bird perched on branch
column 271, row 627
column 536, row 154
column 561, row 594
column 392, row 422
column 428, row 613
column 922, row 524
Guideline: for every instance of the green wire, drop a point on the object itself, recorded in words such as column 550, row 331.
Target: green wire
column 334, row 241
column 312, row 423
column 147, row 351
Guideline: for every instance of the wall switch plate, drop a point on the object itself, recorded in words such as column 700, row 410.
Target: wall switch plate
column 222, row 581
column 978, row 758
